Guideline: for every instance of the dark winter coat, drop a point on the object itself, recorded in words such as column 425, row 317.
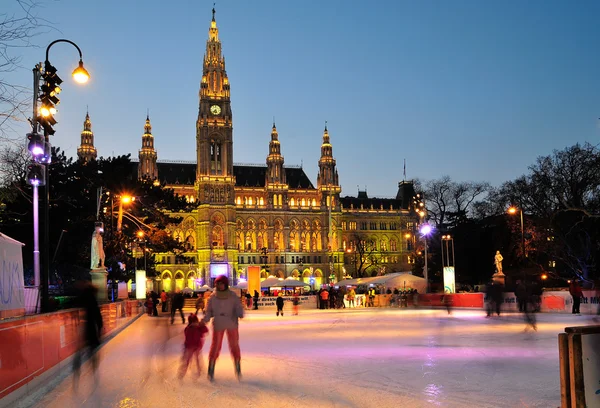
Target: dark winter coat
column 279, row 303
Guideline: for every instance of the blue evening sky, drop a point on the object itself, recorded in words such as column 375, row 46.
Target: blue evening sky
column 473, row 89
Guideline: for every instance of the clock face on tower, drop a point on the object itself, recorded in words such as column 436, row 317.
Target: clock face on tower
column 215, row 109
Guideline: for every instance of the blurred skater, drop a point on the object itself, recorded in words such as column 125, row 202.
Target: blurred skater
column 225, row 309
column 279, row 304
column 177, row 304
column 90, row 339
column 295, row 303
column 192, row 347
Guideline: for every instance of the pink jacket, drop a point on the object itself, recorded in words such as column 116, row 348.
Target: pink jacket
column 225, row 309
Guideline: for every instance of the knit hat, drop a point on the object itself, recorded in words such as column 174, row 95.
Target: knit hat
column 223, row 279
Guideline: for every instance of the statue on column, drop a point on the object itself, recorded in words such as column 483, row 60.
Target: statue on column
column 97, row 249
column 498, row 262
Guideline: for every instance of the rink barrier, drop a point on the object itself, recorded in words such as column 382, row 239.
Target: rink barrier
column 579, row 361
column 34, row 348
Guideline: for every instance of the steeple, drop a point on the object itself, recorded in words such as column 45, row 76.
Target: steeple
column 215, row 83
column 275, row 172
column 214, row 130
column 147, row 166
column 327, row 180
column 87, row 151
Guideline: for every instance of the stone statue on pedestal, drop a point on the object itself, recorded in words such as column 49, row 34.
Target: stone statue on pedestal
column 97, row 260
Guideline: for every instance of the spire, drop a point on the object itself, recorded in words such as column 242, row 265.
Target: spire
column 213, row 11
column 214, row 82
column 275, row 172
column 147, row 166
column 148, row 126
column 327, row 177
column 86, row 151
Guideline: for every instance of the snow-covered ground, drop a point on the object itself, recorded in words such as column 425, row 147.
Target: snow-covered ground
column 336, row 358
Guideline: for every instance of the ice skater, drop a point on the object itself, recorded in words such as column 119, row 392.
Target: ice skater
column 192, row 347
column 225, row 309
column 279, row 304
column 90, row 340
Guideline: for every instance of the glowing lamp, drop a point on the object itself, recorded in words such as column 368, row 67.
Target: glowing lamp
column 512, row 210
column 35, row 175
column 426, row 229
column 36, row 144
column 544, row 276
column 80, row 74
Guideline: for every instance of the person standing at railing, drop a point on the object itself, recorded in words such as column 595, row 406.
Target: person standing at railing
column 576, row 293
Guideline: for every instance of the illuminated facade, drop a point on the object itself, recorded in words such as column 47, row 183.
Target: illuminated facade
column 270, row 215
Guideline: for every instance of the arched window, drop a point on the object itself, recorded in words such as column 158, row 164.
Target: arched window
column 314, row 202
column 261, row 201
column 217, row 236
column 292, row 202
column 303, row 202
column 238, row 200
column 393, row 245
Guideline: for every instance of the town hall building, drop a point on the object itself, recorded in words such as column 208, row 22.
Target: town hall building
column 271, row 214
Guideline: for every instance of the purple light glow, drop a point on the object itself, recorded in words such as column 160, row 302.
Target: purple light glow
column 426, row 229
column 34, row 182
column 37, row 151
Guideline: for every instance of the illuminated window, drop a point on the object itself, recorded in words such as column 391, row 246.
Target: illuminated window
column 261, row 201
column 249, row 200
column 552, row 264
column 393, row 245
column 314, row 202
column 344, row 226
column 292, row 202
column 238, row 200
column 303, row 202
column 352, row 226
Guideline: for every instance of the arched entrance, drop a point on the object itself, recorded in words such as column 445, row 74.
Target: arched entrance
column 166, row 279
column 318, row 275
column 179, row 280
column 191, row 277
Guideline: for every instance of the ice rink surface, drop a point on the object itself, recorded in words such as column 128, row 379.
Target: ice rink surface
column 335, row 358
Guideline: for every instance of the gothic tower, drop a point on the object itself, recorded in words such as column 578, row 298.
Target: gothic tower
column 215, row 181
column 214, row 130
column 147, row 167
column 87, row 151
column 327, row 179
column 275, row 180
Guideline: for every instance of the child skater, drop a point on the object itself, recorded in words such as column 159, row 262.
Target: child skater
column 192, row 348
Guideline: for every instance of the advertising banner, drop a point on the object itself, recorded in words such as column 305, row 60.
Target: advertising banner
column 253, row 279
column 140, row 284
column 305, row 302
column 12, row 284
column 449, row 284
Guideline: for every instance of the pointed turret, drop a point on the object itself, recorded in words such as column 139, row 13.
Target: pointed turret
column 275, row 172
column 86, row 151
column 327, row 180
column 147, row 167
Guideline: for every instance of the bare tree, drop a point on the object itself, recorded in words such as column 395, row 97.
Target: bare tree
column 450, row 202
column 17, row 31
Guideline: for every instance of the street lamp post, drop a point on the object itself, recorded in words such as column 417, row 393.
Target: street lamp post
column 41, row 151
column 513, row 210
column 426, row 230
